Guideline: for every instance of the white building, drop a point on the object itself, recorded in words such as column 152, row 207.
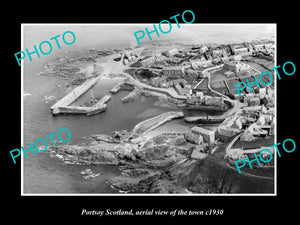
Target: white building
column 171, row 52
column 208, row 135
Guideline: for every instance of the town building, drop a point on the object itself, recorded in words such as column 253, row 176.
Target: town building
column 200, row 99
column 193, row 138
column 191, row 74
column 148, row 60
column 228, row 131
column 241, row 51
column 237, row 123
column 208, row 135
column 170, row 52
column 203, row 49
column 182, row 89
column 226, row 50
column 257, row 46
column 173, row 71
column 196, row 64
column 161, row 82
column 270, row 47
column 192, row 100
column 208, row 55
column 213, row 101
column 235, row 58
column 262, row 93
column 254, row 101
column 236, row 66
column 217, row 53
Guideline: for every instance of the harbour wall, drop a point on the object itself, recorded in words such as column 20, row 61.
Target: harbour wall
column 100, row 106
column 154, row 122
column 73, row 95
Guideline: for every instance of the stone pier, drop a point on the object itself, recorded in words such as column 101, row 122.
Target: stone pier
column 63, row 105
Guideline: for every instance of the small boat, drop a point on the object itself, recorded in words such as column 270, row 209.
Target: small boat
column 204, row 119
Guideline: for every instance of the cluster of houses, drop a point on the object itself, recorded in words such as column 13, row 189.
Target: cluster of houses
column 200, row 99
column 256, row 118
column 265, row 96
column 236, row 66
column 225, row 51
column 261, row 128
column 254, row 121
column 207, row 54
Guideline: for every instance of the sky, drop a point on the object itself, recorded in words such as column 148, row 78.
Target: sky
column 110, row 35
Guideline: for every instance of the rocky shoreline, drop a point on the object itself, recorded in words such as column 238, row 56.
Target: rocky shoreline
column 141, row 163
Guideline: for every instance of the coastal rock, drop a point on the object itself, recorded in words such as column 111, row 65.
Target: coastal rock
column 165, row 162
column 178, row 141
column 96, row 154
column 156, row 152
column 164, row 186
column 134, row 172
column 104, row 158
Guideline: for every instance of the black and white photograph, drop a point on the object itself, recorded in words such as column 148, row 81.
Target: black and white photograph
column 150, row 113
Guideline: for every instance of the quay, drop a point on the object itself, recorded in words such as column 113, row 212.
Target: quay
column 100, row 106
column 132, row 95
column 173, row 94
column 117, row 87
column 154, row 122
column 63, row 105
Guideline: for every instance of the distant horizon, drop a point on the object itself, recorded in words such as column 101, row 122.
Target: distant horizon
column 101, row 35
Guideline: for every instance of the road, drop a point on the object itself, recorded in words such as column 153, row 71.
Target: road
column 232, row 143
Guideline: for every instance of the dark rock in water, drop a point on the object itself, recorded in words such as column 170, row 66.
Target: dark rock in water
column 134, row 172
column 121, row 135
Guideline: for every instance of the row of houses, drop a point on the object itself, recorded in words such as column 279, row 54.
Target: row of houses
column 207, row 55
column 264, row 96
column 255, row 121
column 201, row 99
column 243, row 49
column 236, row 66
column 149, row 60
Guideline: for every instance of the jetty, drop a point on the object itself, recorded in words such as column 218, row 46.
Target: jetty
column 117, row 87
column 205, row 119
column 98, row 107
column 132, row 95
column 63, row 105
column 154, row 122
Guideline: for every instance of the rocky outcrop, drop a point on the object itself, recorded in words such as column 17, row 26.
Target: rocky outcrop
column 158, row 152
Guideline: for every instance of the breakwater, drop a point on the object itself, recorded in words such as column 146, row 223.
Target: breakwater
column 117, row 87
column 100, row 106
column 63, row 104
column 205, row 119
column 154, row 122
column 132, row 95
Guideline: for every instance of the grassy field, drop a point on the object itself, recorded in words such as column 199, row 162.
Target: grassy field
column 203, row 86
column 219, row 75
